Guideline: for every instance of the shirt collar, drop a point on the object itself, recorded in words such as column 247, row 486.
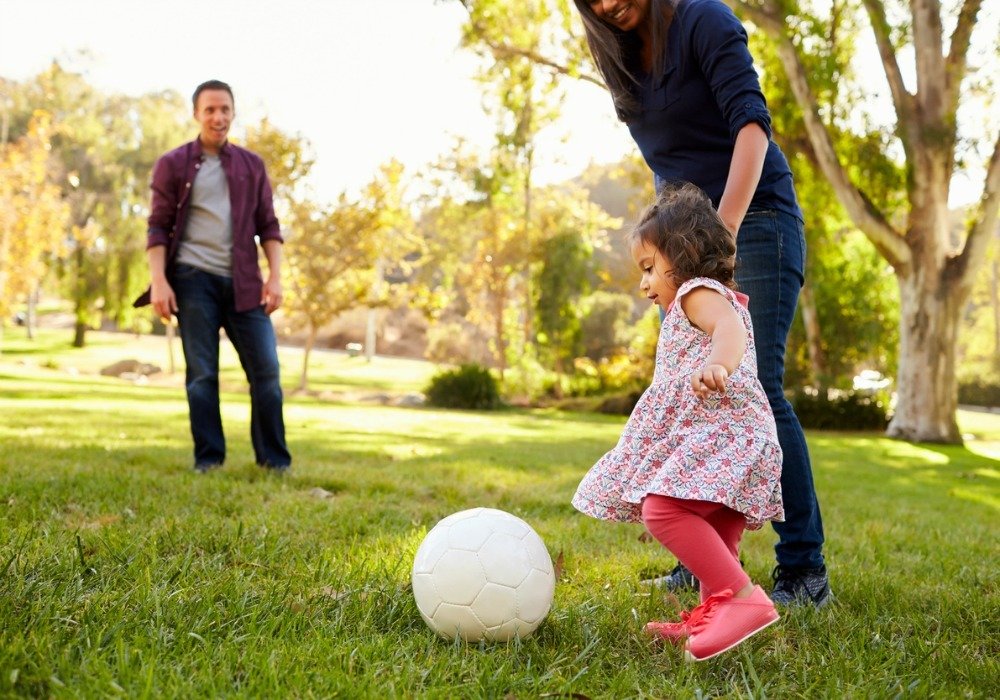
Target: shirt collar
column 199, row 153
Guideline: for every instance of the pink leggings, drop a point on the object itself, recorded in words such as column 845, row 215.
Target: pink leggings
column 704, row 536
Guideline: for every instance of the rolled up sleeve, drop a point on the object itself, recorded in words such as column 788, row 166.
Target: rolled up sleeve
column 719, row 41
column 265, row 220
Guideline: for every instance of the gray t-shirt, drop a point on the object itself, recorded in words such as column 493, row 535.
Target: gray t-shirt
column 207, row 241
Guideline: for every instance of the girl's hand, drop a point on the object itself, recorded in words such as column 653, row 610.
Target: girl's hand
column 711, row 378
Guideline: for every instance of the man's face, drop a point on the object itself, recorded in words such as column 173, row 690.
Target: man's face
column 214, row 111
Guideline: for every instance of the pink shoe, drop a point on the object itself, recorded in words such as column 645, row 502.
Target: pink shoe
column 727, row 622
column 671, row 631
column 677, row 631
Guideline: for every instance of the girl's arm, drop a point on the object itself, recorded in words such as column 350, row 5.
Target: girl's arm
column 712, row 313
column 744, row 174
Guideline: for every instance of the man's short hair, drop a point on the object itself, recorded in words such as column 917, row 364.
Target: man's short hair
column 212, row 85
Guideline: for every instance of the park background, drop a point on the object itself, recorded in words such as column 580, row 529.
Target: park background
column 453, row 187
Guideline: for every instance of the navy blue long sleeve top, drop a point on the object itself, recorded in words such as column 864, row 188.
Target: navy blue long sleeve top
column 687, row 125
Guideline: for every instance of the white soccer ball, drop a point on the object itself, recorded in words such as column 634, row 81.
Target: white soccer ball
column 483, row 574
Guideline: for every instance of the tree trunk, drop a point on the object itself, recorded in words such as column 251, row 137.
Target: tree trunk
column 810, row 318
column 528, row 301
column 79, row 334
column 80, row 330
column 995, row 299
column 926, row 388
column 310, row 341
column 31, row 315
column 500, row 305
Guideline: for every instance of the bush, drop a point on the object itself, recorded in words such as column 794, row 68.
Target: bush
column 979, row 392
column 620, row 404
column 852, row 410
column 468, row 386
column 979, row 382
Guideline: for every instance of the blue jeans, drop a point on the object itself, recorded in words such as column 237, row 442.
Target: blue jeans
column 205, row 304
column 770, row 266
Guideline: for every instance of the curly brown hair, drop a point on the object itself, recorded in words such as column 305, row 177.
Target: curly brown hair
column 684, row 226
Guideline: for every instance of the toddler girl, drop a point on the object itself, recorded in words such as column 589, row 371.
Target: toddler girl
column 698, row 461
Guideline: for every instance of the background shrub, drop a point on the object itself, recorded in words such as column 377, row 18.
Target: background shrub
column 469, row 386
column 979, row 382
column 851, row 410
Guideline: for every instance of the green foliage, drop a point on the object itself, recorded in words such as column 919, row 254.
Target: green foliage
column 979, row 382
column 469, row 386
column 620, row 404
column 525, row 380
column 561, row 281
column 605, row 325
column 851, row 410
column 979, row 392
column 851, row 291
column 103, row 149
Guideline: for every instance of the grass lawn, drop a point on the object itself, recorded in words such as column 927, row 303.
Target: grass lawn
column 124, row 573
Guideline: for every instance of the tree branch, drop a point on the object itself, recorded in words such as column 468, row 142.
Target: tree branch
column 927, row 45
column 958, row 52
column 508, row 51
column 901, row 98
column 859, row 207
column 504, row 50
column 987, row 220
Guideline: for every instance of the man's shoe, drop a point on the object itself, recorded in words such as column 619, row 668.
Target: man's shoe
column 801, row 586
column 276, row 470
column 206, row 467
column 727, row 621
column 679, row 579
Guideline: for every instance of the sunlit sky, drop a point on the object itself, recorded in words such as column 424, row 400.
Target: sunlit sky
column 364, row 81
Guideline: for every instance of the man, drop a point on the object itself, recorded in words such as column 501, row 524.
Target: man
column 210, row 200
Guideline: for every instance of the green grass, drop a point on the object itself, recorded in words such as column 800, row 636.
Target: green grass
column 123, row 573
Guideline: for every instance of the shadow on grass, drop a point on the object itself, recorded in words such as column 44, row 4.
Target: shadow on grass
column 881, row 468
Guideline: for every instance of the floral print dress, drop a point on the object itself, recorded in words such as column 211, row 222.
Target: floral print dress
column 723, row 448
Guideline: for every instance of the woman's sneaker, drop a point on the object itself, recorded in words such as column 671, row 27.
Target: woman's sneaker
column 680, row 578
column 799, row 586
column 729, row 621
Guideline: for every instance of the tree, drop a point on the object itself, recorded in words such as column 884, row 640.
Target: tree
column 935, row 274
column 392, row 232
column 288, row 160
column 149, row 126
column 909, row 229
column 32, row 214
column 330, row 257
column 90, row 132
column 573, row 228
column 525, row 99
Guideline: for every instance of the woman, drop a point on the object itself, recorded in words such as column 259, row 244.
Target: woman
column 682, row 79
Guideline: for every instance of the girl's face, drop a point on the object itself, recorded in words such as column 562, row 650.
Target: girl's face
column 626, row 15
column 658, row 282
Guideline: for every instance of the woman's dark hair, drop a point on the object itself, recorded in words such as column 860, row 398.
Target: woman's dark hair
column 212, row 85
column 684, row 226
column 616, row 53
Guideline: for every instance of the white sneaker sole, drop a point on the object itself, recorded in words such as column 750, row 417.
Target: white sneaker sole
column 688, row 656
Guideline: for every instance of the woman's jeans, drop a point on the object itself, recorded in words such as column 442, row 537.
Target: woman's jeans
column 770, row 265
column 205, row 304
